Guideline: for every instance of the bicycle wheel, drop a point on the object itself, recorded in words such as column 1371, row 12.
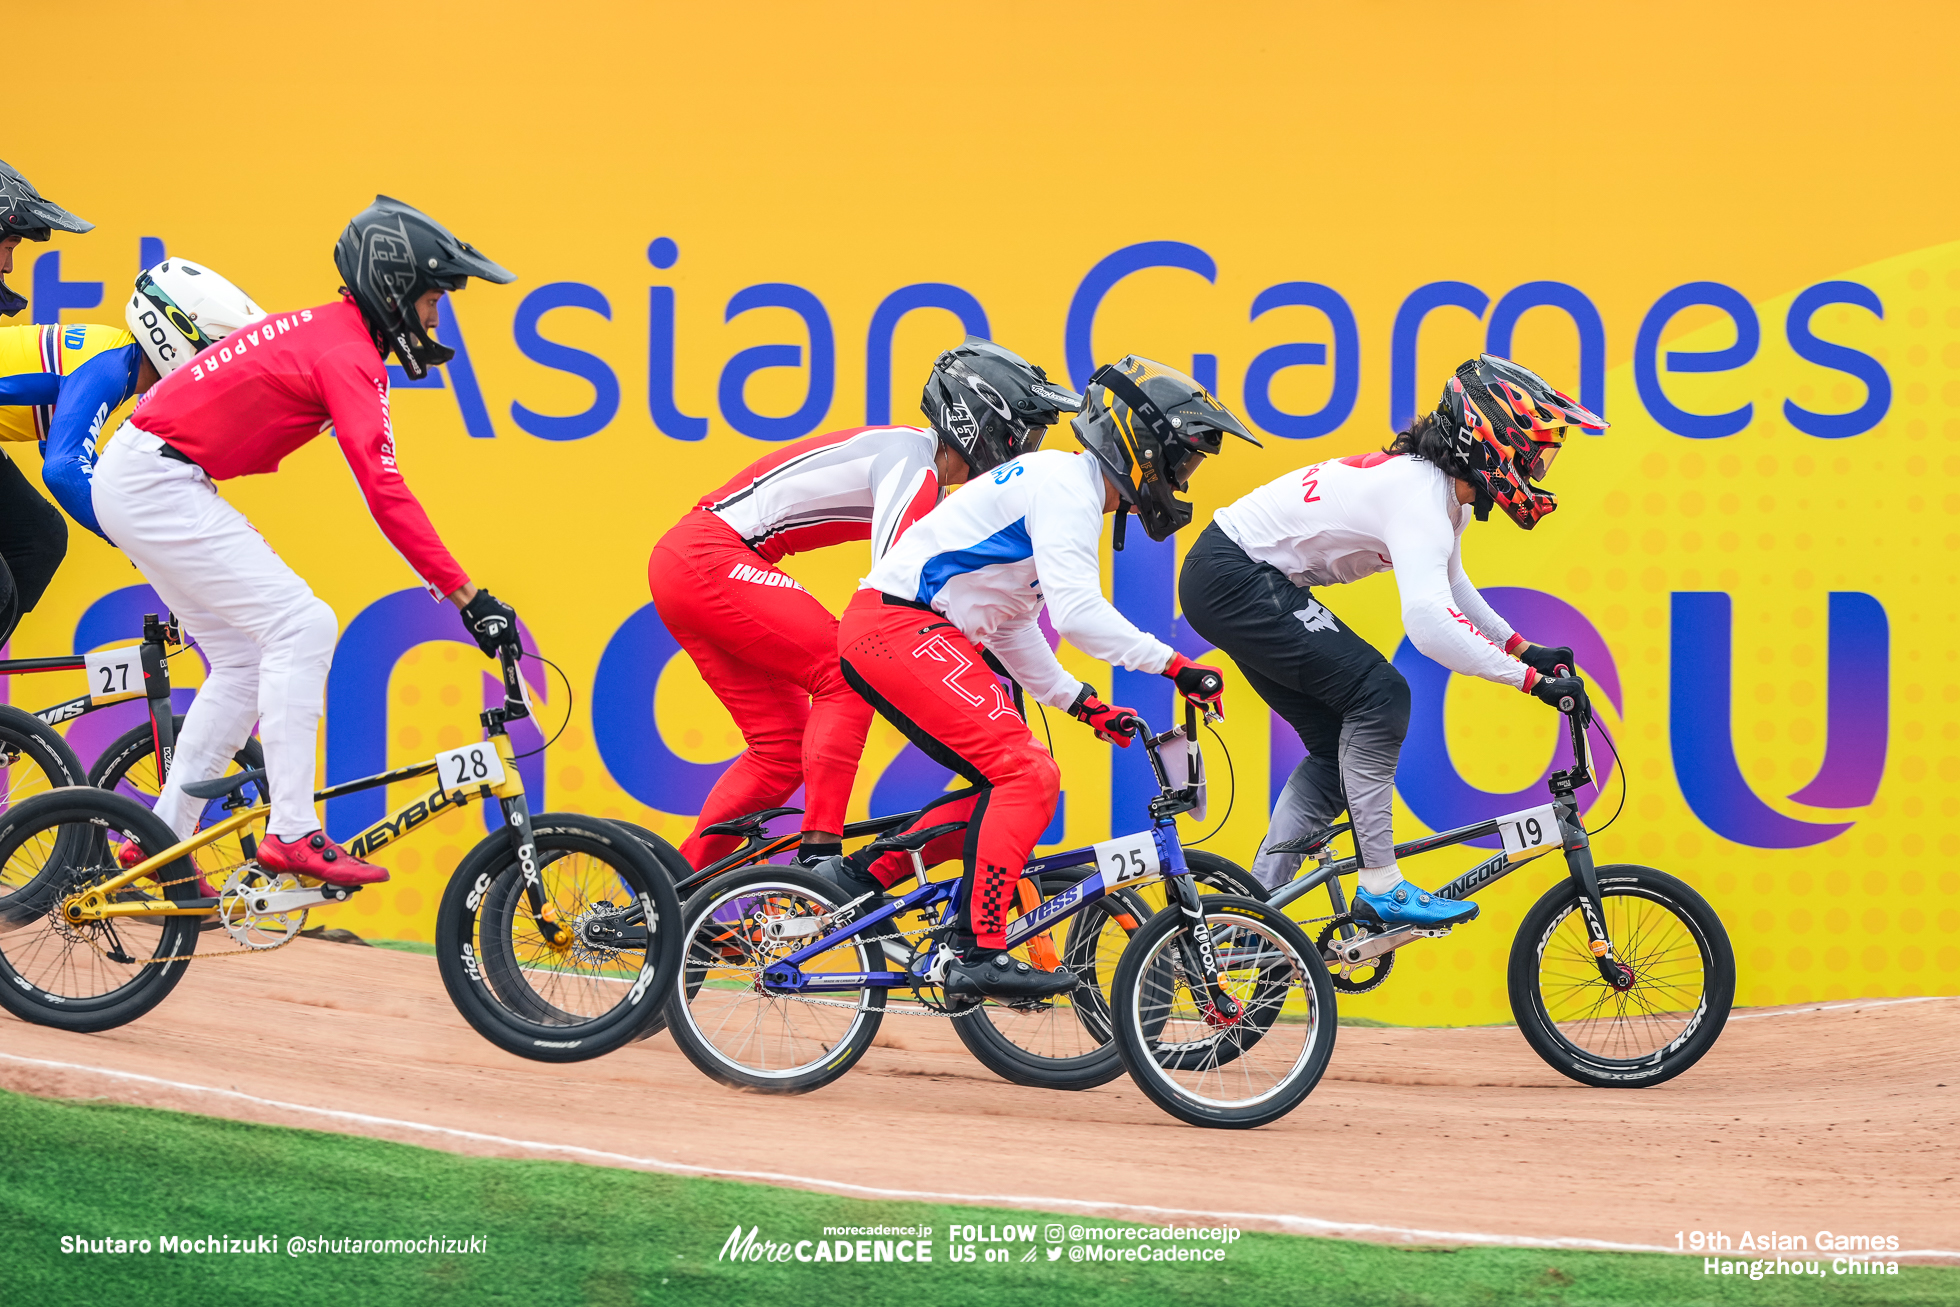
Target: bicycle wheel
column 129, row 768
column 734, row 1029
column 1067, row 1042
column 34, row 759
column 677, row 870
column 586, row 985
column 87, row 976
column 1192, row 1063
column 1679, row 980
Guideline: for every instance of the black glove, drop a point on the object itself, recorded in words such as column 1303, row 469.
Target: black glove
column 490, row 622
column 1565, row 693
column 1547, row 660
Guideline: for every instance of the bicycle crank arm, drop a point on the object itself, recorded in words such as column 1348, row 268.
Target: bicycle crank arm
column 1363, row 947
column 272, row 903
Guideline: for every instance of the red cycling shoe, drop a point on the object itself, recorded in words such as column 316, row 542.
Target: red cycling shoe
column 319, row 857
column 129, row 855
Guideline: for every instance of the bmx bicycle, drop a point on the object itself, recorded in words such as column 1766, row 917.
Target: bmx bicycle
column 1064, row 1043
column 561, row 924
column 1620, row 976
column 1219, row 1006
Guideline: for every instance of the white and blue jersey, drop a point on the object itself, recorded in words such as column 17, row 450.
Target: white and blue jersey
column 991, row 555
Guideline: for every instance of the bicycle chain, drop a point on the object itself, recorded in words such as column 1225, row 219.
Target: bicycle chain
column 72, row 931
column 929, row 1008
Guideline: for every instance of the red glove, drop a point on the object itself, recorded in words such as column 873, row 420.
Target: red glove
column 1202, row 685
column 1110, row 723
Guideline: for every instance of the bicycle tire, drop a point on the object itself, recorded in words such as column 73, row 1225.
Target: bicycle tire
column 1657, row 1028
column 1285, row 970
column 34, row 760
column 729, row 957
column 128, row 767
column 95, row 976
column 677, row 870
column 568, row 1001
column 1009, row 1041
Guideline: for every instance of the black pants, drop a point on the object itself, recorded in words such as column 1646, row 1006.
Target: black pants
column 1350, row 706
column 33, row 541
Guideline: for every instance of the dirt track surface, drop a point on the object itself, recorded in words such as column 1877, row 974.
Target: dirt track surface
column 1799, row 1120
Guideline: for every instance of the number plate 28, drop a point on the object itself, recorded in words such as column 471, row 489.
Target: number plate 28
column 1528, row 834
column 115, row 674
column 471, row 766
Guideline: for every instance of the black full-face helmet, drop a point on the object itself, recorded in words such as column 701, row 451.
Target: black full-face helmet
column 26, row 213
column 389, row 257
column 991, row 404
column 1150, row 426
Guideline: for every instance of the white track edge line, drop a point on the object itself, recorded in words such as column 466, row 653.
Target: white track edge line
column 1837, row 1007
column 1290, row 1223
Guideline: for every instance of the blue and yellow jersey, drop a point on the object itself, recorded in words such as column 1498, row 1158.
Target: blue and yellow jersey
column 58, row 386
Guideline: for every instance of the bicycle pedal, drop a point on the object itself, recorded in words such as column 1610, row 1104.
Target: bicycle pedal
column 1425, row 933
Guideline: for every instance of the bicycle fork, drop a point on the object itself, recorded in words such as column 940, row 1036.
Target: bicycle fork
column 1579, row 863
column 1195, row 949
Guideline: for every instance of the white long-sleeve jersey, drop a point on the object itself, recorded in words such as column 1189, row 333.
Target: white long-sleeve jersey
column 1342, row 520
column 991, row 555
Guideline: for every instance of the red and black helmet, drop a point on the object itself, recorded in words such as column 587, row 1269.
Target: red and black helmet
column 1505, row 425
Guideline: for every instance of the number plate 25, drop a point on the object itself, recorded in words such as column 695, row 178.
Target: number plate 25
column 115, row 674
column 1127, row 857
column 1528, row 834
column 471, row 766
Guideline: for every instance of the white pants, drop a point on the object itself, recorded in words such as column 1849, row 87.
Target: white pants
column 269, row 639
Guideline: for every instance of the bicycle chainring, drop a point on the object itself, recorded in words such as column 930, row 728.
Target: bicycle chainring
column 254, row 930
column 1371, row 972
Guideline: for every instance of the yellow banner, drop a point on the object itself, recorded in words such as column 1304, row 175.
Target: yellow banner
column 740, row 225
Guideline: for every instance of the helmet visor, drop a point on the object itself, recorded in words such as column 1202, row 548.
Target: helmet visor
column 1543, row 455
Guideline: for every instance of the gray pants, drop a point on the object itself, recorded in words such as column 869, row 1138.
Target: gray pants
column 1349, row 705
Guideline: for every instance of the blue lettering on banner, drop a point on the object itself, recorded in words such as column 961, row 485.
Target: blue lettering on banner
column 1264, row 366
column 1646, row 355
column 736, row 372
column 665, row 410
column 1585, row 316
column 1422, row 301
column 624, row 728
column 563, row 358
column 1078, row 333
column 884, row 321
column 1840, row 358
column 462, row 373
column 52, row 294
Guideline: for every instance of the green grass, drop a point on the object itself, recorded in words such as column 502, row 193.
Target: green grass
column 563, row 1233
column 405, row 946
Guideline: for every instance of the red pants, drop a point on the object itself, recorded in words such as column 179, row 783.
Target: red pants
column 769, row 652
column 928, row 680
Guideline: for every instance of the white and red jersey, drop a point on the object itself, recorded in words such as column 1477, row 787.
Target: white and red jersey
column 1342, row 520
column 243, row 404
column 865, row 483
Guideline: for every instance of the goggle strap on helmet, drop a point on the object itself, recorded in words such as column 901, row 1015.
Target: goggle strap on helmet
column 147, row 287
column 1140, row 404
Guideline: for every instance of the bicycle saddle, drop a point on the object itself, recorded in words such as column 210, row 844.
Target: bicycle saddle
column 752, row 827
column 1309, row 844
column 224, row 785
column 912, row 841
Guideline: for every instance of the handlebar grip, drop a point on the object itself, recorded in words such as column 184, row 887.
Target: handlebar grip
column 1561, row 670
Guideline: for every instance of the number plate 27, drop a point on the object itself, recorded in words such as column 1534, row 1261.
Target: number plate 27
column 115, row 674
column 1528, row 834
column 1127, row 858
column 471, row 766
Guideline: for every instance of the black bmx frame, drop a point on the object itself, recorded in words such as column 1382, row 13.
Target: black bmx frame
column 1530, row 830
column 158, row 636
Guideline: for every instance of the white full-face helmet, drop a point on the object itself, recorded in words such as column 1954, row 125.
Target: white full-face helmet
column 180, row 307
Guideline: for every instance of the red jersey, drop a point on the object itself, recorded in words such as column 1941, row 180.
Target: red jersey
column 243, row 404
column 864, row 483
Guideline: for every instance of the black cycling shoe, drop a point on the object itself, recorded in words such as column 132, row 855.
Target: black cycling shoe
column 851, row 882
column 1001, row 976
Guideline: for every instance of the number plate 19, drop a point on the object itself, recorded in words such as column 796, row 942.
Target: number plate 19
column 115, row 674
column 471, row 766
column 1528, row 834
column 1127, row 857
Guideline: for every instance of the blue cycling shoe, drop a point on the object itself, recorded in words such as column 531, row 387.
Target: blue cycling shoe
column 1405, row 905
